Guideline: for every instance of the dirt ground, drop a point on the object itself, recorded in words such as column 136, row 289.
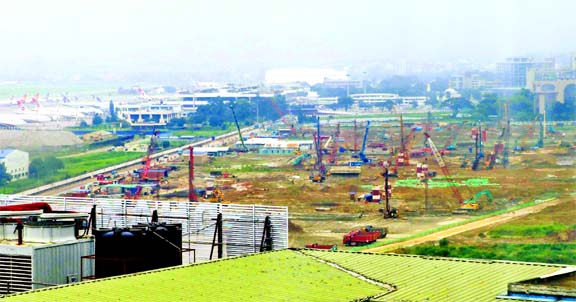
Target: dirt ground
column 323, row 213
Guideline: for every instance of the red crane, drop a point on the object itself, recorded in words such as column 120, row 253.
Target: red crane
column 147, row 159
column 334, row 151
column 282, row 116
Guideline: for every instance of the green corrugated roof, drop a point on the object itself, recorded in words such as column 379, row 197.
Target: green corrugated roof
column 297, row 276
column 275, row 276
column 421, row 278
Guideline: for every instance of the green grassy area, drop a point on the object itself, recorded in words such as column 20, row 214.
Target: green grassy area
column 73, row 165
column 533, row 231
column 560, row 253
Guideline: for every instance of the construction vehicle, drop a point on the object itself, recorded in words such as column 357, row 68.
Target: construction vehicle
column 388, row 211
column 319, row 172
column 214, row 195
column 473, row 203
column 383, row 231
column 361, row 154
column 144, row 175
column 450, row 144
column 541, row 131
column 464, row 205
column 325, row 247
column 244, row 148
column 479, row 138
column 334, row 150
column 361, row 237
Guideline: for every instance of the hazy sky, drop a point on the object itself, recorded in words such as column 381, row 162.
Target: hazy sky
column 170, row 35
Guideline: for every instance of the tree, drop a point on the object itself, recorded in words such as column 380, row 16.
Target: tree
column 488, row 106
column 521, row 106
column 113, row 116
column 37, row 167
column 457, row 104
column 83, row 124
column 97, row 120
column 345, row 102
column 165, row 144
column 4, row 176
column 52, row 164
column 41, row 167
column 176, row 123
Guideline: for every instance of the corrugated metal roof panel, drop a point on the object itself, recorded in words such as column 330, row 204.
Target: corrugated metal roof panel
column 421, row 278
column 275, row 276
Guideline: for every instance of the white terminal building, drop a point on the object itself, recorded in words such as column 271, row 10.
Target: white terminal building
column 378, row 98
column 16, row 163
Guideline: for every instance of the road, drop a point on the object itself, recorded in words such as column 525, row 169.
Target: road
column 494, row 220
column 63, row 185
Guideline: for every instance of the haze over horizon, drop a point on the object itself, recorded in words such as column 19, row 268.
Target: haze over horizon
column 107, row 36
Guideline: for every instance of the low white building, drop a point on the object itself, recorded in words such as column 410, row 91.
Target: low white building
column 16, row 163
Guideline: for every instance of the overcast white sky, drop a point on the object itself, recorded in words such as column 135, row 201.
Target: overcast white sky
column 178, row 35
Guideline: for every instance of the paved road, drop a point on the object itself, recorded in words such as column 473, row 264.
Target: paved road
column 79, row 180
column 469, row 226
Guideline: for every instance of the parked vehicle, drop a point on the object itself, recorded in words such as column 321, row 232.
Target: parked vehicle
column 361, row 237
column 316, row 246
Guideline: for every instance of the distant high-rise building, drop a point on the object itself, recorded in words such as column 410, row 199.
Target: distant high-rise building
column 513, row 70
column 573, row 61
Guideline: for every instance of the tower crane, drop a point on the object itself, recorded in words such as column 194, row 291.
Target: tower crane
column 465, row 205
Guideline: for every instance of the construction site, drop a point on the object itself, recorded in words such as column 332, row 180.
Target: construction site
column 401, row 176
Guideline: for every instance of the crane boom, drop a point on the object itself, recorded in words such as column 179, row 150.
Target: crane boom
column 361, row 154
column 238, row 127
column 147, row 160
column 444, row 169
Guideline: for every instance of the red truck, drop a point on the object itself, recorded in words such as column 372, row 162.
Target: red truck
column 316, row 246
column 361, row 237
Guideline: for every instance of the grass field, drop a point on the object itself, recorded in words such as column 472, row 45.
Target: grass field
column 560, row 253
column 73, row 165
column 548, row 236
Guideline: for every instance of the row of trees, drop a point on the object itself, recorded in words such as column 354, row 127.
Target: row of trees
column 219, row 114
column 483, row 106
column 40, row 167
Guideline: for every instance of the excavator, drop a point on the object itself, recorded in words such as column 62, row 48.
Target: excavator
column 473, row 203
column 215, row 196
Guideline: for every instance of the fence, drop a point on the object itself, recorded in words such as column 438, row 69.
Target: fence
column 242, row 225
